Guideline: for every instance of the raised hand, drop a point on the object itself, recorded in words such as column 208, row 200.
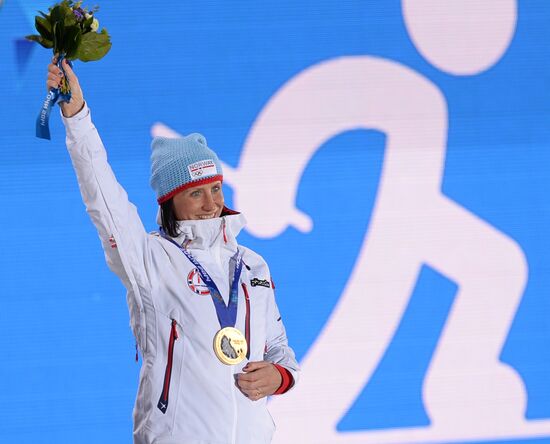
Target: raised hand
column 55, row 75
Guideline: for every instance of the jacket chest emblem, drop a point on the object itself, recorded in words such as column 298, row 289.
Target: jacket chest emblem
column 196, row 284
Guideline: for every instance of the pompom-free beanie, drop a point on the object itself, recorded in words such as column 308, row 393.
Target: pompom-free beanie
column 177, row 164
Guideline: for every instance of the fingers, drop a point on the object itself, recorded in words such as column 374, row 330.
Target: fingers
column 253, row 390
column 257, row 394
column 68, row 70
column 69, row 73
column 249, row 377
column 54, row 76
column 249, row 382
column 259, row 380
column 53, row 68
column 71, row 76
column 53, row 81
column 256, row 365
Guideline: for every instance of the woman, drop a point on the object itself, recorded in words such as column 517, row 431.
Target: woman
column 201, row 306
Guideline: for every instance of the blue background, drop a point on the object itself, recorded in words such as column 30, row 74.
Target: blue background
column 68, row 372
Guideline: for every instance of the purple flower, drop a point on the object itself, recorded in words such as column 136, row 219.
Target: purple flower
column 79, row 14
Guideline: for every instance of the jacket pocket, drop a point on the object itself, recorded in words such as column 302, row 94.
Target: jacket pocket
column 165, row 394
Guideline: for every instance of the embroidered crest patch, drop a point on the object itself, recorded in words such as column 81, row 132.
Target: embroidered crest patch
column 196, row 284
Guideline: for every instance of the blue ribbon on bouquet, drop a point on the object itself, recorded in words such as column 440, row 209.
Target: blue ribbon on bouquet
column 54, row 96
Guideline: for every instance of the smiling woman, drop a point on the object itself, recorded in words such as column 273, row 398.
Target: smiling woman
column 189, row 174
column 200, row 202
column 206, row 373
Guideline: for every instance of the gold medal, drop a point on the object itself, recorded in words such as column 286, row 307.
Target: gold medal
column 230, row 346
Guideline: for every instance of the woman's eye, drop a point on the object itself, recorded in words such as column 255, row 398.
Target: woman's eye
column 195, row 193
column 216, row 188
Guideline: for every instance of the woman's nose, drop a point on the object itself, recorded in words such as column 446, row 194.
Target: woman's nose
column 208, row 202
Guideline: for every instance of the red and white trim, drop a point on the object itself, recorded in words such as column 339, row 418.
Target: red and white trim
column 185, row 186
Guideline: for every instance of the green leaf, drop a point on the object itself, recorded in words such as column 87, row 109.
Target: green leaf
column 71, row 40
column 60, row 12
column 39, row 39
column 44, row 15
column 70, row 19
column 59, row 37
column 87, row 24
column 43, row 27
column 94, row 46
column 56, row 15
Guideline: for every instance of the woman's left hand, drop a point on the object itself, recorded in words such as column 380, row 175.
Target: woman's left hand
column 259, row 379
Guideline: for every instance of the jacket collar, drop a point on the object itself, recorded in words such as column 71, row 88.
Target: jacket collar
column 203, row 234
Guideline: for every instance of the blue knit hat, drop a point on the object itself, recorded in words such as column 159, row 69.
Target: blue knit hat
column 177, row 164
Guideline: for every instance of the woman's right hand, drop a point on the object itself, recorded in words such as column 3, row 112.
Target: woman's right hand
column 69, row 109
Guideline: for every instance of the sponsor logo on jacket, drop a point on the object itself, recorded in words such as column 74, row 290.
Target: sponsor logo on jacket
column 261, row 282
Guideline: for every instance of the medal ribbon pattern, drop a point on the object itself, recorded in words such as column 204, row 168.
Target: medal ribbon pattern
column 227, row 314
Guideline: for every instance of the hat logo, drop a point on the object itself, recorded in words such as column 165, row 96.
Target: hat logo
column 203, row 168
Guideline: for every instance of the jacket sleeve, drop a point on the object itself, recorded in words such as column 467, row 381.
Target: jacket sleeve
column 120, row 229
column 278, row 351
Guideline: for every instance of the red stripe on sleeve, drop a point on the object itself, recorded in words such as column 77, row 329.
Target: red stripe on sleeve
column 287, row 381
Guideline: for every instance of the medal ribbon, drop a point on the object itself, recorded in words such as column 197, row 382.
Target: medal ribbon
column 227, row 314
column 54, row 96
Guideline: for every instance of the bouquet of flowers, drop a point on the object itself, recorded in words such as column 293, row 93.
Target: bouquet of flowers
column 71, row 31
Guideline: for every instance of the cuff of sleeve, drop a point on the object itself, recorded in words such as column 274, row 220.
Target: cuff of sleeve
column 79, row 124
column 286, row 382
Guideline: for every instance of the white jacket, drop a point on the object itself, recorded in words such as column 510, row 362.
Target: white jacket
column 174, row 325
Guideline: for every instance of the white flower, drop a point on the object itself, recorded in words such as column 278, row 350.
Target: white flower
column 87, row 15
column 95, row 25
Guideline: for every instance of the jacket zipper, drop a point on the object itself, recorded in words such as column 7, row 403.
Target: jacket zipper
column 247, row 319
column 163, row 401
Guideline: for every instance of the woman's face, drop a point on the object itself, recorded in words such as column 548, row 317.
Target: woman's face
column 200, row 202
